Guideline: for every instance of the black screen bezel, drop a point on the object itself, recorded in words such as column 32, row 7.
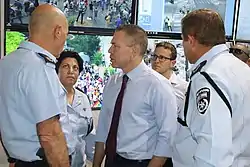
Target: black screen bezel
column 72, row 29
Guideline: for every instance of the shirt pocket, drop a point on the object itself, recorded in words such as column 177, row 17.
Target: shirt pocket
column 83, row 123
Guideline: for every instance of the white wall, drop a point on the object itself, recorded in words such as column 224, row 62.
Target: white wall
column 2, row 28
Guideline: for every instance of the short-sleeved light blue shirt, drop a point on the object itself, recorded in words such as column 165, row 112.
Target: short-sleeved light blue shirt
column 76, row 121
column 30, row 93
column 81, row 121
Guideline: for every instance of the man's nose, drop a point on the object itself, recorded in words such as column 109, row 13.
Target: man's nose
column 157, row 60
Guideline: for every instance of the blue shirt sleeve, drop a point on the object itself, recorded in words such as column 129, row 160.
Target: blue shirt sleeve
column 163, row 102
column 43, row 90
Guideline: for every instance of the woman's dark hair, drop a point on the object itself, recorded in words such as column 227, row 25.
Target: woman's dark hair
column 69, row 54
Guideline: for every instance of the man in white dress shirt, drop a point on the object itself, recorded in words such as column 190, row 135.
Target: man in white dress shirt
column 163, row 61
column 145, row 108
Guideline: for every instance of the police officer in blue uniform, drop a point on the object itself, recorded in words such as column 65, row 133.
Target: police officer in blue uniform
column 77, row 122
column 31, row 96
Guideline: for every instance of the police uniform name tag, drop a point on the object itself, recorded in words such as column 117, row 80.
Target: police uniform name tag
column 203, row 100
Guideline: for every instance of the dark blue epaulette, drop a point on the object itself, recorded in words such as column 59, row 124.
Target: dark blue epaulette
column 198, row 68
column 80, row 90
column 46, row 58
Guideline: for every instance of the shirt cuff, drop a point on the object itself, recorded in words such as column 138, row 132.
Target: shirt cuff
column 163, row 150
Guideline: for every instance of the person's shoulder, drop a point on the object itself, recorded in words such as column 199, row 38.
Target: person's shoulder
column 115, row 78
column 181, row 81
column 80, row 91
column 155, row 77
column 24, row 59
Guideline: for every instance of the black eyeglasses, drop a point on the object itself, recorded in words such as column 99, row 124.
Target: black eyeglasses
column 237, row 51
column 154, row 57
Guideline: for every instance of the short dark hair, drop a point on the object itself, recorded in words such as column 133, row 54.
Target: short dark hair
column 69, row 54
column 138, row 35
column 169, row 46
column 205, row 25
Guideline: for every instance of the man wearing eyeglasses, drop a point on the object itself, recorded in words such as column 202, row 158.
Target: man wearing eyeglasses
column 241, row 52
column 163, row 61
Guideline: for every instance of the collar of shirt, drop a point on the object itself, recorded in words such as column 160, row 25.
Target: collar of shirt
column 173, row 78
column 210, row 54
column 136, row 72
column 37, row 49
column 77, row 99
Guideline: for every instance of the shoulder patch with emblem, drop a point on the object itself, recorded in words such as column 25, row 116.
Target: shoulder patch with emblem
column 202, row 100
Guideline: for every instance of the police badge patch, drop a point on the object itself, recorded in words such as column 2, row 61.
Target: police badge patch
column 203, row 100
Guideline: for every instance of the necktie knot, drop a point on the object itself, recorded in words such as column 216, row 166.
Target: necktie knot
column 125, row 78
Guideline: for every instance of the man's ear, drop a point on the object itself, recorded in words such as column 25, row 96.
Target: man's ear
column 191, row 40
column 57, row 31
column 173, row 62
column 136, row 50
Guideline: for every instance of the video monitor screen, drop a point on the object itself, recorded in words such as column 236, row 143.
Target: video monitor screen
column 13, row 40
column 166, row 15
column 97, row 68
column 80, row 13
column 243, row 26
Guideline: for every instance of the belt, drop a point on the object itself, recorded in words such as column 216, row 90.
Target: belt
column 122, row 159
column 35, row 163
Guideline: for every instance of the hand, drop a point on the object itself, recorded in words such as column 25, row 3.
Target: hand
column 12, row 165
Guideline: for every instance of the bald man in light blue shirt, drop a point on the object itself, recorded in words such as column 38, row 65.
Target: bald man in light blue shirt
column 31, row 96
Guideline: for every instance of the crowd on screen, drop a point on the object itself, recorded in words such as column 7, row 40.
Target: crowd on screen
column 115, row 12
column 92, row 83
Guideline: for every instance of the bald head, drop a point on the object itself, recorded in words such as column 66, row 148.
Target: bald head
column 46, row 17
column 48, row 28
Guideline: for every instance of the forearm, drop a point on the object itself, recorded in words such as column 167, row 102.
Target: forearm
column 99, row 154
column 53, row 142
column 157, row 161
column 55, row 150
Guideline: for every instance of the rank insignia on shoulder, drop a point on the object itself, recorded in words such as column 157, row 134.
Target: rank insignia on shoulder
column 203, row 100
column 46, row 58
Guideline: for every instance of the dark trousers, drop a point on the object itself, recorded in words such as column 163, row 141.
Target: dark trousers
column 38, row 163
column 168, row 163
column 81, row 13
column 31, row 164
column 123, row 162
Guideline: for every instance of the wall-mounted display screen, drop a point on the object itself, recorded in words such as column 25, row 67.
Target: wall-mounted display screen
column 243, row 26
column 80, row 13
column 165, row 15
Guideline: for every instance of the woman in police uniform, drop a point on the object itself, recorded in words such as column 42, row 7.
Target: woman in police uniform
column 79, row 113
